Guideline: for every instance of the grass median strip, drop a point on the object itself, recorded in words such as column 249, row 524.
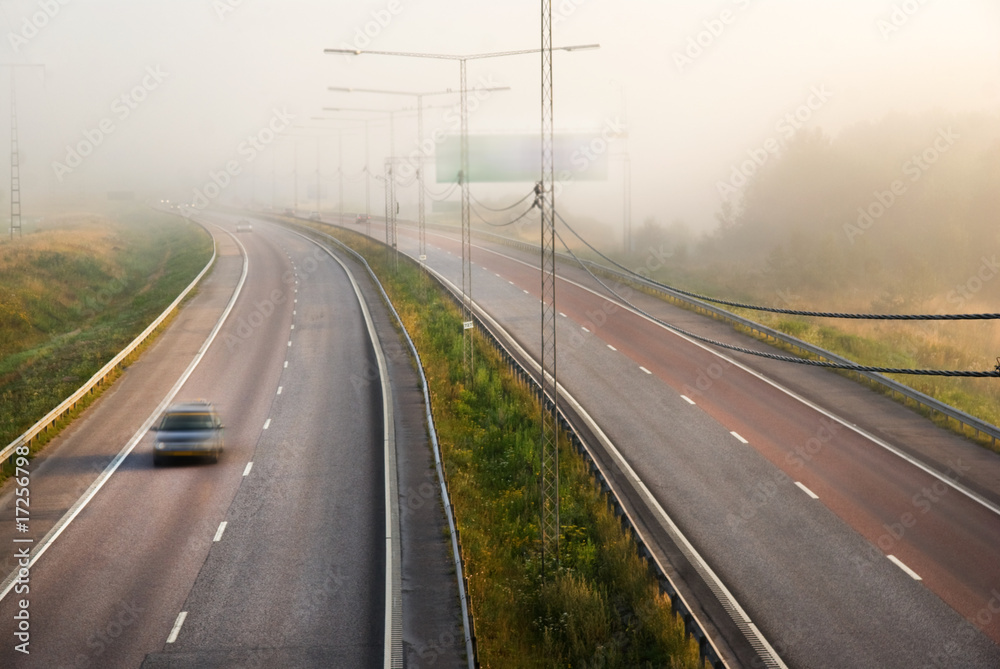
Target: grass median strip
column 603, row 608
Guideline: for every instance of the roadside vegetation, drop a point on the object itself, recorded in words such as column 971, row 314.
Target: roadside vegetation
column 75, row 291
column 603, row 607
column 894, row 216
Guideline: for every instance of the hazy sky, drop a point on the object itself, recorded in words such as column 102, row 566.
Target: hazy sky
column 700, row 83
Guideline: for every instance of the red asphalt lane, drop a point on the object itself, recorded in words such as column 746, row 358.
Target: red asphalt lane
column 949, row 540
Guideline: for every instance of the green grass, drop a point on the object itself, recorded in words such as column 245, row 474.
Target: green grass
column 75, row 293
column 603, row 607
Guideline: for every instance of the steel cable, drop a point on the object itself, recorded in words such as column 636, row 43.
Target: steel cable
column 775, row 356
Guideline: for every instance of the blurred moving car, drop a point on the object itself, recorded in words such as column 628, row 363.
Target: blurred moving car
column 289, row 211
column 243, row 225
column 188, row 429
column 362, row 219
column 314, row 216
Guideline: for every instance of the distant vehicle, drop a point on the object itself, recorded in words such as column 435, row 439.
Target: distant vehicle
column 289, row 211
column 188, row 429
column 243, row 225
column 314, row 216
column 362, row 219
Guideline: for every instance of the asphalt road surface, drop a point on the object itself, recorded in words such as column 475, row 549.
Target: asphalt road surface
column 778, row 474
column 272, row 557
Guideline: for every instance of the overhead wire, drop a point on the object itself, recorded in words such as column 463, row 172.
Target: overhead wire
column 773, row 356
column 790, row 312
column 530, row 193
column 501, row 225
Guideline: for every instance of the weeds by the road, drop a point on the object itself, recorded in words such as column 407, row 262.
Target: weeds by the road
column 77, row 291
column 603, row 608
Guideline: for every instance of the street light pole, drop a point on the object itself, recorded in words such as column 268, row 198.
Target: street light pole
column 421, row 214
column 464, row 171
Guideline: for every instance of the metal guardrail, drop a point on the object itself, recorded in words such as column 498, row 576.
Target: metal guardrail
column 709, row 653
column 977, row 425
column 67, row 405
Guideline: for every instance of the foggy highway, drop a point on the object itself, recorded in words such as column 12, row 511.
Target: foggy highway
column 276, row 554
column 738, row 459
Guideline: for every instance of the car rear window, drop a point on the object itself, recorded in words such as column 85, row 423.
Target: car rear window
column 188, row 421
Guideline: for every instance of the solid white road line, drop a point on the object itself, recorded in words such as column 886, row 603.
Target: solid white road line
column 807, row 490
column 899, row 563
column 177, row 627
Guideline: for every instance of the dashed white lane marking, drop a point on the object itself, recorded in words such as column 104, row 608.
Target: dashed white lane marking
column 267, row 423
column 248, row 468
column 286, row 364
column 289, row 342
column 279, row 389
column 177, row 627
column 218, row 532
column 584, row 329
column 914, row 575
column 563, row 315
column 644, row 369
column 612, row 347
column 739, row 437
column 807, row 490
column 687, row 399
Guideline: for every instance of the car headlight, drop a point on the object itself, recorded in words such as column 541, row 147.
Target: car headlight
column 158, row 445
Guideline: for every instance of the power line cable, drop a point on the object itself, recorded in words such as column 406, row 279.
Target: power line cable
column 791, row 312
column 437, row 197
column 501, row 225
column 530, row 193
column 774, row 356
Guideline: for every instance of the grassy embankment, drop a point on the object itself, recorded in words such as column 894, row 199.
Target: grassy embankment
column 603, row 608
column 972, row 345
column 77, row 290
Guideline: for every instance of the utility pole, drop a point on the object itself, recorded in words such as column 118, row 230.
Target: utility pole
column 340, row 179
column 15, row 167
column 391, row 208
column 15, row 152
column 549, row 470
